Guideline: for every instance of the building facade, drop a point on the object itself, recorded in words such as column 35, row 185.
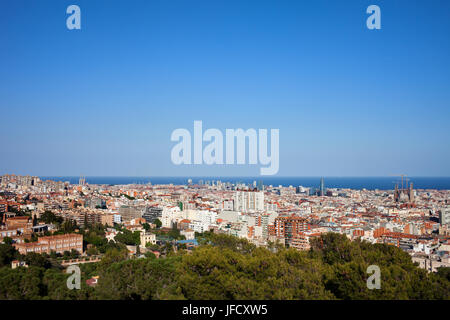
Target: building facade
column 58, row 244
column 248, row 201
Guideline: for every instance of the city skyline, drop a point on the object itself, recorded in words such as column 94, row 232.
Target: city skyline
column 356, row 183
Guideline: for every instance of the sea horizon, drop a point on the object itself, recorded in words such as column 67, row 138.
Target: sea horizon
column 342, row 182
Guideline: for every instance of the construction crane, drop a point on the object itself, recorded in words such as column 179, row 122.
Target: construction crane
column 407, row 182
column 400, row 175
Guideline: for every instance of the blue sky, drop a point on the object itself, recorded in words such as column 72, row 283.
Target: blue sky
column 105, row 99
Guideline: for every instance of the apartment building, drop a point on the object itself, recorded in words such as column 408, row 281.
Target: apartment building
column 16, row 228
column 130, row 212
column 444, row 216
column 300, row 242
column 248, row 201
column 290, row 227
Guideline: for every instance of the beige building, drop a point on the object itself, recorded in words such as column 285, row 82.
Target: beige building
column 58, row 243
column 147, row 237
column 188, row 233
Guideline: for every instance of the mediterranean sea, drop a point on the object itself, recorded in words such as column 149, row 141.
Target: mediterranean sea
column 358, row 183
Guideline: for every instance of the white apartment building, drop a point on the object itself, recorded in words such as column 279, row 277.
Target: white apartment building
column 197, row 226
column 117, row 218
column 228, row 205
column 271, row 207
column 444, row 216
column 231, row 216
column 170, row 215
column 248, row 201
column 203, row 220
column 207, row 217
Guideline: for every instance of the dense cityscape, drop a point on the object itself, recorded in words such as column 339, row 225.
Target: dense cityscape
column 82, row 224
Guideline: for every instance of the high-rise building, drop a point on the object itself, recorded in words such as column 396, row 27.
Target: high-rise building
column 260, row 185
column 248, row 200
column 322, row 187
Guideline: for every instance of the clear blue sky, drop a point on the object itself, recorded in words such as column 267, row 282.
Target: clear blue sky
column 105, row 99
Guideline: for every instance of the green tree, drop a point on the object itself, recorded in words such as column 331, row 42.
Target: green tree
column 7, row 254
column 157, row 223
column 8, row 240
column 140, row 279
column 92, row 251
column 37, row 260
column 21, row 283
column 50, row 217
column 111, row 257
column 128, row 238
column 150, row 255
column 226, row 267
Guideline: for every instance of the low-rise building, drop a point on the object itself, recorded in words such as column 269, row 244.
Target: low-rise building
column 58, row 244
column 147, row 237
column 188, row 233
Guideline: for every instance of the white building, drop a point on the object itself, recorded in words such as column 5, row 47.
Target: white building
column 170, row 215
column 231, row 216
column 117, row 218
column 188, row 233
column 228, row 205
column 248, row 201
column 271, row 207
column 197, row 226
column 207, row 217
column 444, row 216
